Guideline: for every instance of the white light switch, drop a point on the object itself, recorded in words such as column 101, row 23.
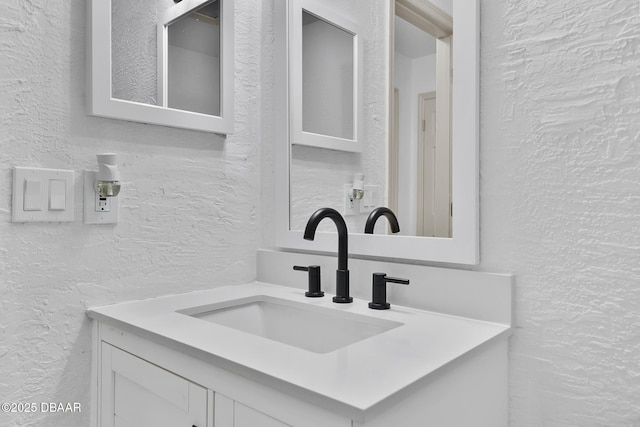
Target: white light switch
column 42, row 195
column 57, row 195
column 32, row 200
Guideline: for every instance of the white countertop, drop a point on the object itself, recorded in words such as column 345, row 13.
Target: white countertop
column 356, row 378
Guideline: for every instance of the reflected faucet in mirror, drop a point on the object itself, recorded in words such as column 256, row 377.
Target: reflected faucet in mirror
column 377, row 213
column 342, row 273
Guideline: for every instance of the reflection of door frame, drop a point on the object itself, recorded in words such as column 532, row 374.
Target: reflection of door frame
column 394, row 152
column 425, row 193
column 437, row 23
column 444, row 88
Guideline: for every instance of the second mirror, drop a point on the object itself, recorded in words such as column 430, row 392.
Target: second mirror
column 326, row 87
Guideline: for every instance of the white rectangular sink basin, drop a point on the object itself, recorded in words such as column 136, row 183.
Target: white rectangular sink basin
column 305, row 326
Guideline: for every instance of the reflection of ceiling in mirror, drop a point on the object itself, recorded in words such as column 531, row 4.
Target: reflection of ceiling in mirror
column 308, row 18
column 212, row 10
column 445, row 5
column 195, row 34
column 411, row 41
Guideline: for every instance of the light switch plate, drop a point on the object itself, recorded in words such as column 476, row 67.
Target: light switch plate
column 91, row 213
column 39, row 181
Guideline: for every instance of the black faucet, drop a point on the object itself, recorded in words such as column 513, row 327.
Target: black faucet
column 377, row 213
column 342, row 273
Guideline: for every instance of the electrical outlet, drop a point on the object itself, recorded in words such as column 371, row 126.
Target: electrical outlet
column 98, row 210
column 103, row 204
column 351, row 206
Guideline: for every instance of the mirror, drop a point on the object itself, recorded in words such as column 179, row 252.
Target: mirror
column 163, row 63
column 189, row 57
column 420, row 137
column 326, row 85
column 327, row 78
column 308, row 178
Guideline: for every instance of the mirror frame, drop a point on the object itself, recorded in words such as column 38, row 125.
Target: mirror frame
column 463, row 246
column 99, row 79
column 298, row 135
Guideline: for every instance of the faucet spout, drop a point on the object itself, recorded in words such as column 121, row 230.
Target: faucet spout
column 377, row 213
column 312, row 225
column 342, row 274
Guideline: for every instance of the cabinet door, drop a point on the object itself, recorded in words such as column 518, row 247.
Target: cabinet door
column 137, row 393
column 230, row 413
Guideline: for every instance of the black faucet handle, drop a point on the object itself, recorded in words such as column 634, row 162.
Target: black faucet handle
column 396, row 280
column 379, row 290
column 314, row 280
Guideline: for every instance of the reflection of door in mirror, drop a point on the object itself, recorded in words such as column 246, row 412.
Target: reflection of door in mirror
column 327, row 78
column 420, row 137
column 325, row 82
column 193, row 61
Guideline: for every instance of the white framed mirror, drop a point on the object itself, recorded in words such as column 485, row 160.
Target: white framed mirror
column 325, row 77
column 460, row 243
column 149, row 62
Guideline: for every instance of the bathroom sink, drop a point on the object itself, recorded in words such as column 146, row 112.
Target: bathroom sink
column 306, row 326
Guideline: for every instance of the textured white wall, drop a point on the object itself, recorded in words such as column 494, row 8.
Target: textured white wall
column 560, row 203
column 189, row 215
